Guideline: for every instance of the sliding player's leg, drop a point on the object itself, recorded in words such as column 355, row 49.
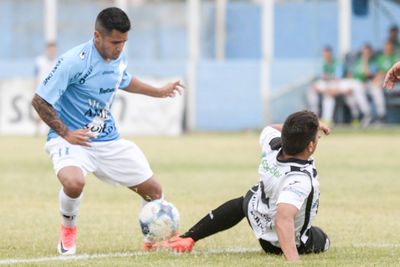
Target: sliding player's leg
column 222, row 218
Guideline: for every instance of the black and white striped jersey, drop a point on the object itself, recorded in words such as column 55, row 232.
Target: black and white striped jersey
column 291, row 181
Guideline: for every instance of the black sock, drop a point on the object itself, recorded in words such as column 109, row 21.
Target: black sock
column 224, row 217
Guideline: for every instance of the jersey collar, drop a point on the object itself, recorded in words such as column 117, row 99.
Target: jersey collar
column 293, row 160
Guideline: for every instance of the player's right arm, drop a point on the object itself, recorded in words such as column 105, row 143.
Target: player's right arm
column 67, row 68
column 284, row 225
column 292, row 197
column 48, row 114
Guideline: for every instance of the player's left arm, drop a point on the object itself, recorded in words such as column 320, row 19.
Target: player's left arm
column 168, row 90
column 277, row 127
column 325, row 128
column 284, row 225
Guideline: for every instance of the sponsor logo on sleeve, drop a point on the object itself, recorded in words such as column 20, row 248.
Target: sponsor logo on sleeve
column 294, row 190
column 48, row 78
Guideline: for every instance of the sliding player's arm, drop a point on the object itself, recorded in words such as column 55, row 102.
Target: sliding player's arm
column 168, row 90
column 284, row 225
column 47, row 113
column 277, row 127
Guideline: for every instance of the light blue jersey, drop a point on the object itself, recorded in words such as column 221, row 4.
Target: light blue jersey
column 81, row 88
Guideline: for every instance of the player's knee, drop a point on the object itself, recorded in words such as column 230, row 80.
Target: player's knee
column 74, row 187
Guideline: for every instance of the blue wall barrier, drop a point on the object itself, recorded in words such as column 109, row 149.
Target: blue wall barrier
column 228, row 95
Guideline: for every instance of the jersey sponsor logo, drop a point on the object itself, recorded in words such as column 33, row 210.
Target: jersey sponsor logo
column 93, row 112
column 76, row 76
column 97, row 129
column 96, row 109
column 108, row 72
column 263, row 222
column 53, row 71
column 100, row 115
column 315, row 204
column 86, row 75
column 106, row 90
column 274, row 171
column 293, row 190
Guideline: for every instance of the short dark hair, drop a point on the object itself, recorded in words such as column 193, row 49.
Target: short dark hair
column 112, row 18
column 299, row 129
column 394, row 28
column 327, row 48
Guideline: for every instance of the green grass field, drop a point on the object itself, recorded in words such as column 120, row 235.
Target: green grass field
column 359, row 202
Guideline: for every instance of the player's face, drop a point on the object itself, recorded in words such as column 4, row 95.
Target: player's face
column 366, row 52
column 388, row 49
column 110, row 46
column 327, row 55
column 51, row 51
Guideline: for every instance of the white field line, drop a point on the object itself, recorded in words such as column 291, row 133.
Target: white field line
column 142, row 253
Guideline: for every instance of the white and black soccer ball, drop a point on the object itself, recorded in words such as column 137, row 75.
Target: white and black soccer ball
column 159, row 220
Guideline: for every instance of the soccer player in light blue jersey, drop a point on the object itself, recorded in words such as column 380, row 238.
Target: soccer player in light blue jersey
column 75, row 100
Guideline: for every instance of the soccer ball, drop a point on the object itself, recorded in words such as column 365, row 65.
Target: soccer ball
column 159, row 220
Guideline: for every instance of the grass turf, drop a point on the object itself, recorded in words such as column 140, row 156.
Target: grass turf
column 359, row 202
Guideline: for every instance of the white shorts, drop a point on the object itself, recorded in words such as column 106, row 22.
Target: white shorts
column 115, row 162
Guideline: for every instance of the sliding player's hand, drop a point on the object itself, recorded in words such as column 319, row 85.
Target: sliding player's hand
column 325, row 128
column 392, row 76
column 79, row 137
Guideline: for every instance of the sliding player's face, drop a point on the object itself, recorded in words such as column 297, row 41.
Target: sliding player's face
column 111, row 45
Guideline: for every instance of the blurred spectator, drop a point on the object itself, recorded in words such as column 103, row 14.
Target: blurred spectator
column 330, row 85
column 330, row 71
column 43, row 65
column 363, row 71
column 384, row 62
column 393, row 38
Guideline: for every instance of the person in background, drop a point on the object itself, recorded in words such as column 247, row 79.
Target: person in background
column 361, row 75
column 384, row 61
column 43, row 65
column 393, row 38
column 331, row 71
column 330, row 85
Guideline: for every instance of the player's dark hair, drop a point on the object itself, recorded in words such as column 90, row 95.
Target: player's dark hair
column 299, row 129
column 112, row 18
column 394, row 28
column 327, row 48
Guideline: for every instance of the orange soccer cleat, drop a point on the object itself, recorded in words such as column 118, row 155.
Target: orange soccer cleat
column 178, row 244
column 66, row 243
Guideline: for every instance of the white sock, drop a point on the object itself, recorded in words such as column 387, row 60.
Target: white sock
column 144, row 202
column 69, row 208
